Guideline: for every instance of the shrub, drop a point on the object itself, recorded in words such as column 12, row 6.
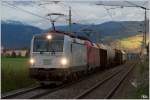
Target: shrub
column 13, row 54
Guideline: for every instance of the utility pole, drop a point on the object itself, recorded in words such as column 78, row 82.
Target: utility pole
column 70, row 21
column 145, row 21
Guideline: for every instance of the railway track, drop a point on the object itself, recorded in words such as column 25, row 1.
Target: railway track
column 37, row 92
column 87, row 93
column 110, row 94
column 18, row 92
column 34, row 92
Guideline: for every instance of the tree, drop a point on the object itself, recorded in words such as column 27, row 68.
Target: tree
column 19, row 55
column 27, row 53
column 13, row 54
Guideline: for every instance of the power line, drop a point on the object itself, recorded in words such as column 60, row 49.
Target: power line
column 145, row 23
column 123, row 26
column 18, row 8
column 63, row 5
column 42, row 20
column 138, row 6
column 135, row 5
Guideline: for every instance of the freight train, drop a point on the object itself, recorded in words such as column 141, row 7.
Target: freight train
column 58, row 56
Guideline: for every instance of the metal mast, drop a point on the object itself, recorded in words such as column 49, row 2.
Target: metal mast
column 145, row 28
column 70, row 19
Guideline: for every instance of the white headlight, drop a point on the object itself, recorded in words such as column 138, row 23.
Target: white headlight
column 32, row 61
column 64, row 61
column 49, row 37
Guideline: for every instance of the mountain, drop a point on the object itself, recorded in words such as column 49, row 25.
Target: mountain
column 18, row 35
column 15, row 34
column 107, row 31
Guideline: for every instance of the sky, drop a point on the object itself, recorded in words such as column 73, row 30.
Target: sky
column 83, row 12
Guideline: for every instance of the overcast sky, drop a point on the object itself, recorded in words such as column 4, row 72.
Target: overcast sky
column 84, row 12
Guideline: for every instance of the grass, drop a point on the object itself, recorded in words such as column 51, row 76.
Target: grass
column 14, row 74
column 143, row 88
column 132, row 43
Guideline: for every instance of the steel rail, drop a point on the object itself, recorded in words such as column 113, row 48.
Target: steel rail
column 19, row 92
column 96, row 85
column 86, row 92
column 110, row 94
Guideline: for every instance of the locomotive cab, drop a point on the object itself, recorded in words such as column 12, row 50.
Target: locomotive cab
column 47, row 56
column 47, row 51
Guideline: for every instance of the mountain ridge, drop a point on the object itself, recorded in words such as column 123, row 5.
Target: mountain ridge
column 21, row 34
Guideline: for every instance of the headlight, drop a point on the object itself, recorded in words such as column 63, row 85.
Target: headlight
column 49, row 37
column 64, row 61
column 32, row 61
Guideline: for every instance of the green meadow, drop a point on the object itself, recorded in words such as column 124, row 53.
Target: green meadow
column 15, row 74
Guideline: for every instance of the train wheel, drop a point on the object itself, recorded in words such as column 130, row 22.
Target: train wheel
column 75, row 76
column 42, row 84
column 70, row 78
column 78, row 75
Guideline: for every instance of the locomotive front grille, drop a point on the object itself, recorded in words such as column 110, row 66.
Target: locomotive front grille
column 46, row 61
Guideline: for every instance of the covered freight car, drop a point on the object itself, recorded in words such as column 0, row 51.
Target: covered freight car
column 107, row 55
column 93, row 56
column 120, row 56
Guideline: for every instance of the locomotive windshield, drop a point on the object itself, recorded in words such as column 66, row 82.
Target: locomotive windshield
column 41, row 44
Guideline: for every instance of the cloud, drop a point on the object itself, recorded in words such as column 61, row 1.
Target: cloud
column 82, row 12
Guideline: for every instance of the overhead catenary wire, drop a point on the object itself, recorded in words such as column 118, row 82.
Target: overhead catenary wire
column 126, row 29
column 135, row 5
column 58, row 19
column 109, row 15
column 145, row 22
column 42, row 20
column 123, row 26
column 146, row 2
column 40, row 5
column 45, row 17
column 63, row 6
column 26, row 11
column 132, row 5
column 79, row 21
